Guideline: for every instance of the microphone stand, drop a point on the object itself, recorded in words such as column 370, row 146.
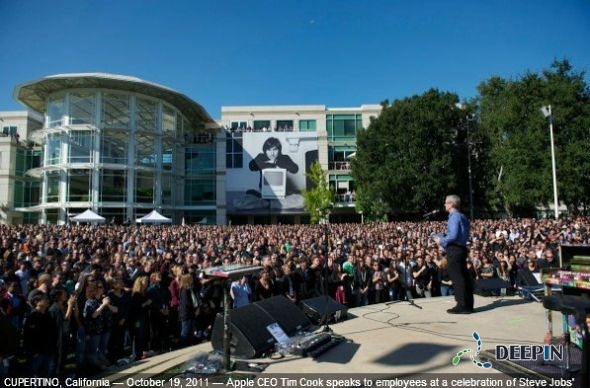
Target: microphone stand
column 407, row 290
column 326, row 328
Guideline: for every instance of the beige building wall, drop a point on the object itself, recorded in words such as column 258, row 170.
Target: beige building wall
column 15, row 130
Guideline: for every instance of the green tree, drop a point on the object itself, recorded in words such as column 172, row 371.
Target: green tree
column 407, row 160
column 517, row 138
column 318, row 200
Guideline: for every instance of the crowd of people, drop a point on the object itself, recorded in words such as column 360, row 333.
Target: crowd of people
column 91, row 296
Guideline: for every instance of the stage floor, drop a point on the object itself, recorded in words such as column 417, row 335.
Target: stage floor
column 399, row 339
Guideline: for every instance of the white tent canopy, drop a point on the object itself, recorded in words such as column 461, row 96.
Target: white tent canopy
column 88, row 217
column 154, row 218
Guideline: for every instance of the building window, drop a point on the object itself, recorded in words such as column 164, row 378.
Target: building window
column 199, row 160
column 199, row 191
column 145, row 150
column 167, row 155
column 234, row 153
column 9, row 130
column 339, row 157
column 167, row 189
column 53, row 186
column 147, row 115
column 113, row 147
column 261, row 125
column 113, row 186
column 144, row 187
column 19, row 194
column 51, row 216
column 21, row 163
column 284, row 126
column 81, row 146
column 79, row 185
column 55, row 112
column 307, row 125
column 81, row 108
column 179, row 126
column 115, row 110
column 238, row 126
column 26, row 159
column 32, row 193
column 168, row 121
column 343, row 127
column 53, row 149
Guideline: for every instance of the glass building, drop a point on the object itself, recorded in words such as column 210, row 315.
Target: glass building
column 122, row 147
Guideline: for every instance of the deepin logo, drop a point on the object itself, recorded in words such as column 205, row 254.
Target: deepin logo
column 479, row 364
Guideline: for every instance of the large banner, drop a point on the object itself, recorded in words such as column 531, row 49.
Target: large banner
column 272, row 176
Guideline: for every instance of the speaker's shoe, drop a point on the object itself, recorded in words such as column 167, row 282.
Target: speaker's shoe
column 459, row 310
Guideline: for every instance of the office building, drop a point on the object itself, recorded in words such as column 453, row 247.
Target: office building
column 122, row 146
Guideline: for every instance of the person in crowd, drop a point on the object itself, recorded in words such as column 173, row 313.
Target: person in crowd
column 422, row 279
column 60, row 311
column 487, row 269
column 306, row 279
column 444, row 278
column 40, row 336
column 120, row 299
column 264, row 287
column 454, row 241
column 96, row 309
column 127, row 252
column 159, row 313
column 340, row 285
column 139, row 316
column 186, row 309
column 394, row 284
column 14, row 304
column 547, row 259
column 43, row 287
column 9, row 342
column 361, row 282
column 289, row 281
column 240, row 292
column 377, row 288
column 503, row 271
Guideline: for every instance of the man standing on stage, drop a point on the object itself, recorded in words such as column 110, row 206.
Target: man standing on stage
column 455, row 244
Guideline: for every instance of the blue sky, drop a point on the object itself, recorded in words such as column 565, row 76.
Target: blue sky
column 264, row 52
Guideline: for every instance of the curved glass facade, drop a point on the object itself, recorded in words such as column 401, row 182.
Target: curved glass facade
column 123, row 154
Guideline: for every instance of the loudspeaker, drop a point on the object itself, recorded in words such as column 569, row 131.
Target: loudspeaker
column 289, row 317
column 493, row 286
column 525, row 278
column 249, row 337
column 323, row 307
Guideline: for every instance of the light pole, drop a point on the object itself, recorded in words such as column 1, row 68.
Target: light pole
column 546, row 110
column 469, row 118
column 466, row 124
